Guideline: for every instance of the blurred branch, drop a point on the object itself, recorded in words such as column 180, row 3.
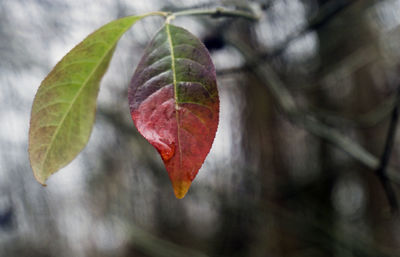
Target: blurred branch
column 151, row 245
column 357, row 244
column 381, row 171
column 287, row 104
column 171, row 7
column 154, row 246
column 326, row 14
column 236, row 5
column 218, row 12
column 364, row 120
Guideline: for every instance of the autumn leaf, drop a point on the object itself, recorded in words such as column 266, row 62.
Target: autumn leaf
column 174, row 102
column 63, row 110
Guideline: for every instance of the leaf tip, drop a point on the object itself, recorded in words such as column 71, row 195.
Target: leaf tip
column 42, row 182
column 40, row 179
column 36, row 174
column 181, row 188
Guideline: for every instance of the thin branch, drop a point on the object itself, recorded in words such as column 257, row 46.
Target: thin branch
column 219, row 12
column 286, row 103
column 215, row 12
column 381, row 171
column 326, row 14
column 151, row 245
column 356, row 243
column 364, row 120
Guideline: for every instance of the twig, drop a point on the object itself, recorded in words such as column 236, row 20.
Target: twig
column 215, row 12
column 218, row 12
column 381, row 171
column 287, row 104
column 364, row 120
column 356, row 151
column 355, row 243
column 151, row 245
column 327, row 13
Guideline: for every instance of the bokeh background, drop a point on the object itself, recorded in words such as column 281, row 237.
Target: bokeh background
column 307, row 95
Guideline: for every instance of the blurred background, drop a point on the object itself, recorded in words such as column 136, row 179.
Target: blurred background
column 297, row 168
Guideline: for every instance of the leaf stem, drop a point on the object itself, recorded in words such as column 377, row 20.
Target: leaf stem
column 159, row 13
column 219, row 12
column 169, row 18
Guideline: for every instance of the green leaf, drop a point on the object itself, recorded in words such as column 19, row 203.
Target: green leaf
column 64, row 107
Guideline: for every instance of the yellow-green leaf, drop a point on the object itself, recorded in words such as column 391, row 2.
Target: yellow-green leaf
column 63, row 110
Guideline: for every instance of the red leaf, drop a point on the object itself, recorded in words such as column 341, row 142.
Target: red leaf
column 174, row 102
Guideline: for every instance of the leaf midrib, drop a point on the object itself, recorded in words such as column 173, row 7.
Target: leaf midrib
column 171, row 49
column 84, row 84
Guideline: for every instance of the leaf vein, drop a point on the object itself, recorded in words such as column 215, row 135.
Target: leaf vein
column 190, row 102
column 55, row 85
column 42, row 108
column 158, row 47
column 66, row 66
column 171, row 48
column 201, row 120
column 101, row 59
column 188, row 59
column 155, row 77
column 198, row 82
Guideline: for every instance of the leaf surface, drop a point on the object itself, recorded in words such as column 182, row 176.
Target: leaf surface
column 63, row 110
column 174, row 102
